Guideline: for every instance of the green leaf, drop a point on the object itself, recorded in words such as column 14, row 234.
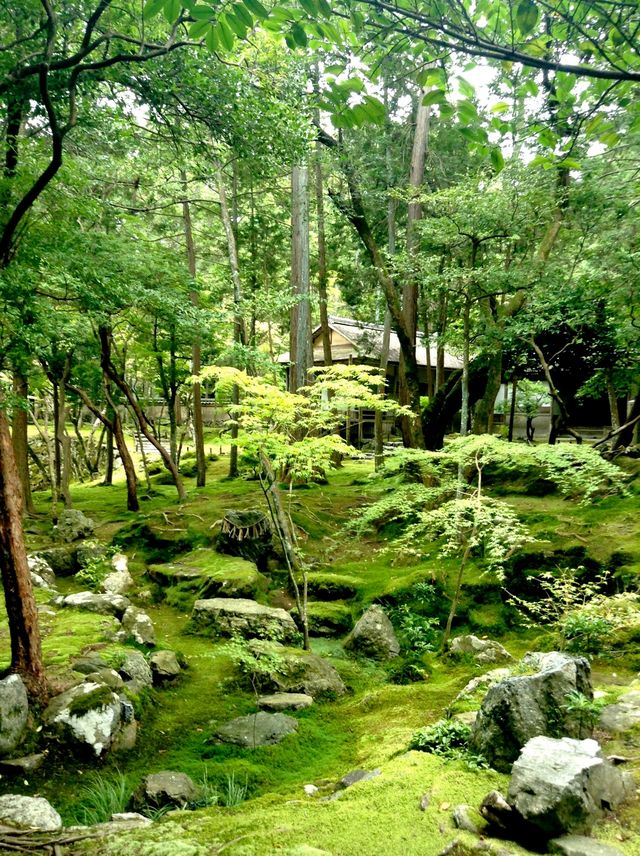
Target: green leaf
column 243, row 15
column 374, row 109
column 198, row 29
column 236, row 25
column 256, row 8
column 171, row 10
column 309, row 7
column 352, row 84
column 203, row 13
column 466, row 88
column 334, row 69
column 224, row 34
column 433, row 97
column 526, row 16
column 299, row 36
column 467, row 112
column 211, row 40
column 497, row 160
column 325, row 9
column 501, row 107
column 151, row 8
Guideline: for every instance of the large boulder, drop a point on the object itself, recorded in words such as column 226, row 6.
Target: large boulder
column 277, row 702
column 88, row 716
column 14, row 710
column 167, row 788
column 526, row 706
column 211, row 574
column 29, row 813
column 62, row 560
column 164, row 666
column 241, row 617
column 42, row 575
column 73, row 525
column 374, row 636
column 119, row 581
column 580, row 845
column 303, row 673
column 136, row 670
column 103, row 604
column 564, row 785
column 137, row 625
column 484, row 651
column 257, row 729
column 623, row 715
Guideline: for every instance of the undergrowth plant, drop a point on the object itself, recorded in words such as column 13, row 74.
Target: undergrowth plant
column 450, row 739
column 101, row 797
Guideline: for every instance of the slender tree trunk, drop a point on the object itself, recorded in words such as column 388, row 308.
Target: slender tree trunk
column 322, row 247
column 22, row 614
column 64, row 442
column 196, row 348
column 464, row 410
column 613, row 403
column 512, row 408
column 19, row 437
column 300, row 333
column 483, row 414
column 555, row 395
column 456, row 597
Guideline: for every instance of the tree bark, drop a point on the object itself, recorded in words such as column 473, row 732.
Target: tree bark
column 22, row 613
column 555, row 395
column 483, row 413
column 300, row 333
column 19, row 437
column 196, row 348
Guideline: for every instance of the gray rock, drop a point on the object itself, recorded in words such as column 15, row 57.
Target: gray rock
column 306, row 673
column 311, row 790
column 137, row 625
column 131, row 817
column 257, row 729
column 87, row 715
column 103, row 604
column 63, row 561
column 483, row 682
column 117, row 582
column 623, row 715
column 284, row 701
column 136, row 668
column 22, row 766
column 373, row 636
column 522, row 707
column 496, row 811
column 167, row 788
column 483, row 651
column 126, row 738
column 41, row 571
column 108, row 677
column 356, row 776
column 462, row 819
column 560, row 786
column 90, row 551
column 29, row 813
column 73, row 525
column 425, row 801
column 14, row 710
column 242, row 617
column 164, row 666
column 580, row 845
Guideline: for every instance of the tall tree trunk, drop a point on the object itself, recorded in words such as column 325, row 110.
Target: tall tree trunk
column 557, row 398
column 612, row 397
column 22, row 613
column 464, row 410
column 322, row 247
column 483, row 414
column 63, row 440
column 410, row 289
column 300, row 333
column 196, row 348
column 19, row 437
column 239, row 332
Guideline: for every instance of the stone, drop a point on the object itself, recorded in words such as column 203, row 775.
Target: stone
column 103, row 604
column 42, row 575
column 117, row 582
column 356, row 776
column 125, row 739
column 482, row 682
column 580, row 845
column 63, row 561
column 483, row 651
column 137, row 625
column 164, row 666
column 73, row 525
column 621, row 716
column 88, row 715
column 22, row 766
column 522, row 707
column 211, row 574
column 425, row 800
column 463, row 819
column 14, row 711
column 131, row 817
column 564, row 785
column 90, row 551
column 311, row 790
column 284, row 701
column 136, row 668
column 242, row 617
column 167, row 788
column 257, row 729
column 88, row 665
column 109, row 677
column 373, row 636
column 306, row 673
column 29, row 813
column 496, row 811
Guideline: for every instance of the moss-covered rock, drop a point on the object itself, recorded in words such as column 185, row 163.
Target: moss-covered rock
column 208, row 573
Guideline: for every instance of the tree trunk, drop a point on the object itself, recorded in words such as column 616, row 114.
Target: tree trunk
column 300, row 333
column 483, row 414
column 322, row 247
column 512, row 408
column 19, row 437
column 196, row 348
column 465, row 407
column 613, row 403
column 557, row 398
column 64, row 442
column 22, row 613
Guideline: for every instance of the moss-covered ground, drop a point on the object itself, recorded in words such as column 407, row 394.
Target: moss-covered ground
column 368, row 727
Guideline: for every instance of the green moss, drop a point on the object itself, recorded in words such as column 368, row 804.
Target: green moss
column 329, row 617
column 99, row 697
column 205, row 571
